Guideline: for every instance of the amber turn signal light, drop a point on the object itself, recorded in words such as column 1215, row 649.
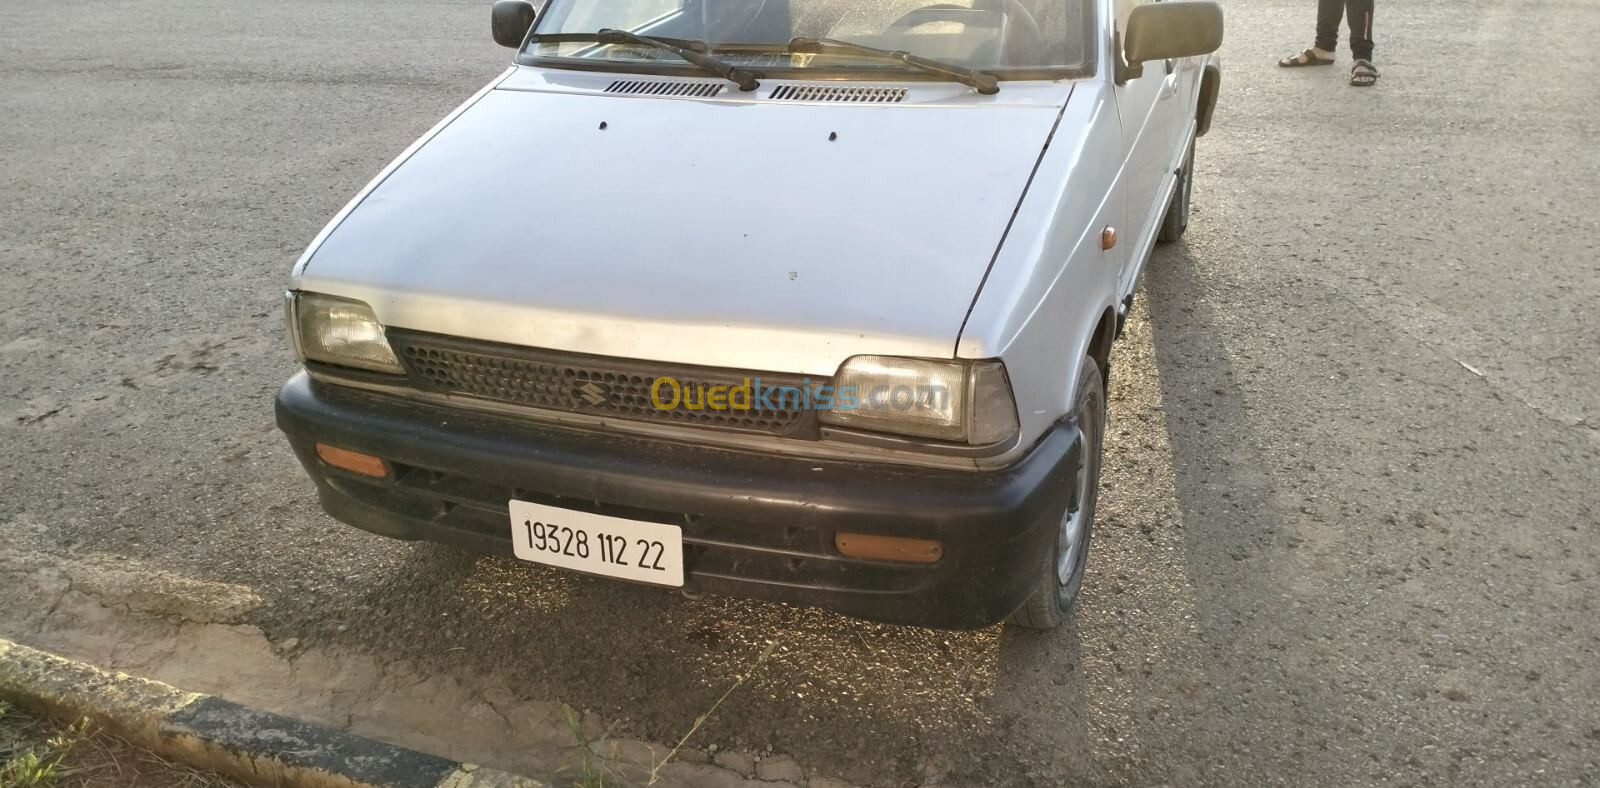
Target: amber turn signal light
column 353, row 461
column 1108, row 238
column 889, row 548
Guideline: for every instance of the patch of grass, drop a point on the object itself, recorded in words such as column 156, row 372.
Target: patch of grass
column 29, row 769
column 655, row 771
column 29, row 757
column 38, row 753
column 590, row 774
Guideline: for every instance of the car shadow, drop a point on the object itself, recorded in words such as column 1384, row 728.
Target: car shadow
column 1233, row 539
column 1234, row 533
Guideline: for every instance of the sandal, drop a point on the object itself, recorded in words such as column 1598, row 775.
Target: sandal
column 1363, row 74
column 1306, row 58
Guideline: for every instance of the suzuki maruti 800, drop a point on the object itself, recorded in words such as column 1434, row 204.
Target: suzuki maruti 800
column 805, row 300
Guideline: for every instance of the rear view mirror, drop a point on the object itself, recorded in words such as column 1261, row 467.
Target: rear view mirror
column 511, row 20
column 1173, row 29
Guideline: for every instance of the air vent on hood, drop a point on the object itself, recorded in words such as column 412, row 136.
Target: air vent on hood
column 852, row 95
column 657, row 87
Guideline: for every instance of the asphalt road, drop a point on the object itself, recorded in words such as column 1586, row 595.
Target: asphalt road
column 1350, row 523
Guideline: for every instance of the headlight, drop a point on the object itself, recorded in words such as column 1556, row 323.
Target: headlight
column 341, row 331
column 966, row 401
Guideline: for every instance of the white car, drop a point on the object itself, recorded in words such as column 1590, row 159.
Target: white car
column 807, row 300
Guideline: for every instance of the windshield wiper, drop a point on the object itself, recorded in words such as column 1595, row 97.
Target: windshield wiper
column 738, row 76
column 567, row 38
column 985, row 84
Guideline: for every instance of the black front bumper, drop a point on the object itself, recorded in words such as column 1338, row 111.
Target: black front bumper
column 754, row 524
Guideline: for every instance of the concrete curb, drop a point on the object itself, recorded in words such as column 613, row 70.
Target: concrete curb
column 212, row 733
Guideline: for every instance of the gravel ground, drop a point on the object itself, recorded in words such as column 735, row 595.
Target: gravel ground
column 1350, row 512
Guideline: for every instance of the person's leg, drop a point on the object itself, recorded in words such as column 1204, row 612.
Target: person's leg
column 1363, row 74
column 1329, row 13
column 1320, row 53
column 1360, row 13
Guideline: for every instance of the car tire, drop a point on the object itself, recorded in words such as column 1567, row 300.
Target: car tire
column 1060, row 574
column 1177, row 218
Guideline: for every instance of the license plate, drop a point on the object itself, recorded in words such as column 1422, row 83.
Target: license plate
column 597, row 544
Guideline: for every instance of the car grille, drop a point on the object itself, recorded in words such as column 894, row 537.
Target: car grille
column 591, row 385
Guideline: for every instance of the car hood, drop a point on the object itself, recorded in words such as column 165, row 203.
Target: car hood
column 726, row 232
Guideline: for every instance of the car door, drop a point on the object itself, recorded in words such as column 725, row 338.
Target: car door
column 1148, row 108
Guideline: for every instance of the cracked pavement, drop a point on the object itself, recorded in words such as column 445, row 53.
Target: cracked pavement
column 1349, row 524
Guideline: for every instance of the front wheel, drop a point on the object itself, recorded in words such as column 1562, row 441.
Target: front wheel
column 1059, row 578
column 1177, row 218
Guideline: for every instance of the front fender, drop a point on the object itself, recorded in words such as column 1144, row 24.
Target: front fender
column 1210, row 84
column 1051, row 282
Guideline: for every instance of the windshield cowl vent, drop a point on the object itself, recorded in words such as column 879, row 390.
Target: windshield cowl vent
column 656, row 87
column 839, row 93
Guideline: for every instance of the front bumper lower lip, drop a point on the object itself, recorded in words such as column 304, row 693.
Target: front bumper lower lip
column 756, row 525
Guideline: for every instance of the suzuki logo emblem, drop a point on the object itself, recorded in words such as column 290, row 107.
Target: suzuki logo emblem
column 592, row 394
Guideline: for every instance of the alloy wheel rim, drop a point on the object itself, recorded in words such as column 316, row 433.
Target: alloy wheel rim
column 1072, row 529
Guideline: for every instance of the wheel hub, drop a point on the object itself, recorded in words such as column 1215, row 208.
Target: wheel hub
column 1074, row 525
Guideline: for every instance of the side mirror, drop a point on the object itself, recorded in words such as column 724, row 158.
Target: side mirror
column 511, row 20
column 1172, row 29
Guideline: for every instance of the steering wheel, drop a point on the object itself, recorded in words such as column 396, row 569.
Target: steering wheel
column 1024, row 37
column 939, row 12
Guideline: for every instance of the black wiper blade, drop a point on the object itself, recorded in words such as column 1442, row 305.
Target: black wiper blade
column 738, row 76
column 985, row 84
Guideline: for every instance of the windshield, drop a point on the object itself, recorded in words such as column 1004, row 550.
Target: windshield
column 1009, row 38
